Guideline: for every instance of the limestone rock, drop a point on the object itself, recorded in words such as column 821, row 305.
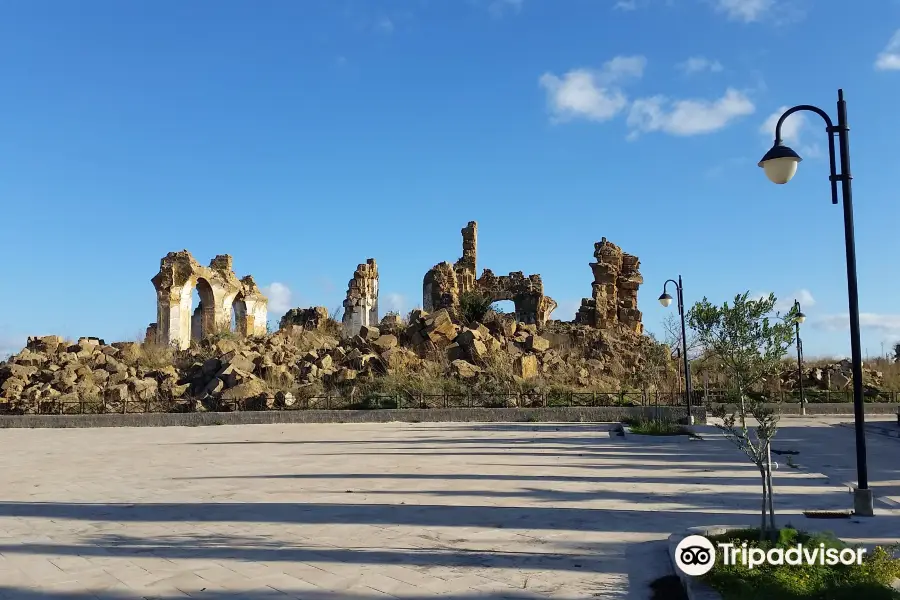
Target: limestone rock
column 439, row 328
column 369, row 333
column 344, row 374
column 385, row 342
column 312, row 318
column 250, row 388
column 398, row 358
column 538, row 344
column 526, row 366
column 19, row 371
column 464, row 369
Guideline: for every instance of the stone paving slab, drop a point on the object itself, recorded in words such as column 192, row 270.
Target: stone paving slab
column 326, row 512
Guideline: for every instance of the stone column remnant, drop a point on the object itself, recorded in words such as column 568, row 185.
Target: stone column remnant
column 614, row 290
column 466, row 266
column 361, row 304
column 220, row 291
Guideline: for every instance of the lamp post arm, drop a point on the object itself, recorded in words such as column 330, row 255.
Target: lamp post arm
column 677, row 293
column 667, row 282
column 830, row 128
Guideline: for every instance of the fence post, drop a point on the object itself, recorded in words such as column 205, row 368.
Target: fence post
column 124, row 405
column 706, row 388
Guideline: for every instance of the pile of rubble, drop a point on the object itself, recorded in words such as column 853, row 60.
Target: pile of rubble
column 276, row 370
column 837, row 376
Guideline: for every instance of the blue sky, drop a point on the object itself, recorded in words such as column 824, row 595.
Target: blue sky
column 303, row 137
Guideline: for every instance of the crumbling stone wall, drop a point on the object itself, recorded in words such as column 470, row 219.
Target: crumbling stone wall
column 311, row 318
column 440, row 288
column 361, row 304
column 221, row 293
column 617, row 278
column 444, row 283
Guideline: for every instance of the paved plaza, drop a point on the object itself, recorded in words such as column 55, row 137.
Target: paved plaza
column 328, row 512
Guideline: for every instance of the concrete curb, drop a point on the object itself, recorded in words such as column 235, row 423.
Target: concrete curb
column 822, row 409
column 693, row 587
column 407, row 415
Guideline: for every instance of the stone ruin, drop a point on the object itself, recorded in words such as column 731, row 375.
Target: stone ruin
column 615, row 290
column 311, row 318
column 223, row 298
column 361, row 303
column 444, row 283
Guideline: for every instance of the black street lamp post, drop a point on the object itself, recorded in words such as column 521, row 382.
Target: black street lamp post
column 665, row 299
column 799, row 318
column 780, row 165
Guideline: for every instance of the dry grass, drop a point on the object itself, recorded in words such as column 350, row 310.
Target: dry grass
column 153, row 356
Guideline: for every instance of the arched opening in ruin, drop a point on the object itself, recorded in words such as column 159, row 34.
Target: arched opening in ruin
column 507, row 307
column 203, row 310
column 239, row 315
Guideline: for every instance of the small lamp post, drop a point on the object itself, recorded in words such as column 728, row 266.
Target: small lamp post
column 799, row 318
column 665, row 299
column 780, row 165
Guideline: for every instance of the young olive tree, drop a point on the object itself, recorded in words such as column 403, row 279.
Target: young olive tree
column 749, row 342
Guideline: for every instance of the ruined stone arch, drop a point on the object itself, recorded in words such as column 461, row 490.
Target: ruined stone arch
column 444, row 283
column 217, row 285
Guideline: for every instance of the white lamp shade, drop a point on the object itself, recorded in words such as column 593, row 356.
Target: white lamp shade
column 801, row 317
column 665, row 300
column 780, row 170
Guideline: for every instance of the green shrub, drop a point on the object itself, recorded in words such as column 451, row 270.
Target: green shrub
column 869, row 581
column 473, row 306
column 644, row 426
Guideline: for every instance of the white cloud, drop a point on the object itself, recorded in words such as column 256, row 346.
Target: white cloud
column 805, row 298
column 882, row 323
column 11, row 344
column 625, row 5
column 392, row 302
column 279, row 296
column 889, row 58
column 592, row 94
column 699, row 64
column 785, row 302
column 384, row 25
column 792, row 130
column 744, row 10
column 565, row 310
column 687, row 117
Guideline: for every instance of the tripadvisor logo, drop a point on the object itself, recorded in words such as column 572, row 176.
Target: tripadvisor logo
column 695, row 555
